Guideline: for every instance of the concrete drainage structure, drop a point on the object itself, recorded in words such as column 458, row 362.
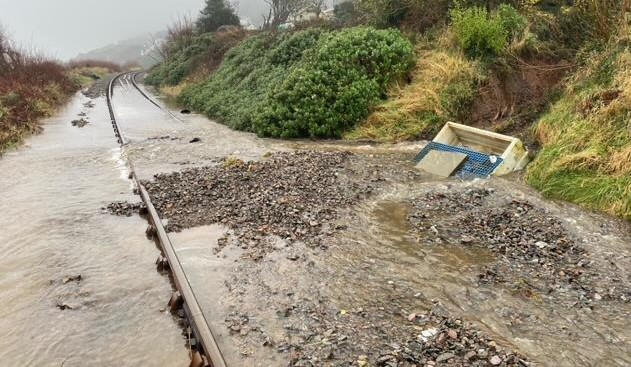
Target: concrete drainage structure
column 467, row 152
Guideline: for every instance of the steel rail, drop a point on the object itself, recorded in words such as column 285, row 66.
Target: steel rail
column 192, row 309
column 148, row 97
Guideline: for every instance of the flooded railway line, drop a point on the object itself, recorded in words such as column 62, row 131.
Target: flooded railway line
column 381, row 290
column 201, row 337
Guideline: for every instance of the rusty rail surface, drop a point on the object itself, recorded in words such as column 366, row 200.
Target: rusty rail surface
column 210, row 351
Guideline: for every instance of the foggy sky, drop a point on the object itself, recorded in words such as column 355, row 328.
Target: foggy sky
column 65, row 28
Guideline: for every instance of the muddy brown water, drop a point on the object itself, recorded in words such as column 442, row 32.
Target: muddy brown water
column 550, row 334
column 53, row 190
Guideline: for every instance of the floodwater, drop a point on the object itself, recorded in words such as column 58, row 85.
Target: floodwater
column 551, row 334
column 378, row 258
column 52, row 191
column 53, row 227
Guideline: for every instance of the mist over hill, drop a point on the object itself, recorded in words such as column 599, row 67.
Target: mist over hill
column 137, row 50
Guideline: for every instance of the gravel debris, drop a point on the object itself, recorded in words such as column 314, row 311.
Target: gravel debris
column 80, row 122
column 98, row 88
column 124, row 208
column 293, row 196
column 536, row 255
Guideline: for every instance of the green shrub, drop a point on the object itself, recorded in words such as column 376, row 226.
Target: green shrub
column 248, row 73
column 307, row 83
column 481, row 34
column 204, row 52
column 512, row 22
column 336, row 85
column 478, row 33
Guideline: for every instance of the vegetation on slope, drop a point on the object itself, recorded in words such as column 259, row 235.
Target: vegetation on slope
column 586, row 136
column 554, row 72
column 448, row 71
column 311, row 83
column 33, row 87
column 443, row 83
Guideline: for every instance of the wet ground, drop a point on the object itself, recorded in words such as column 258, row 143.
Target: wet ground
column 410, row 272
column 536, row 282
column 79, row 286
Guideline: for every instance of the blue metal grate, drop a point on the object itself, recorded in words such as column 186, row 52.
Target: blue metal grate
column 477, row 164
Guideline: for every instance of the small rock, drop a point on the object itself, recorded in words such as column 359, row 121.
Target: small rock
column 445, row 357
column 496, row 360
column 195, row 140
column 69, row 279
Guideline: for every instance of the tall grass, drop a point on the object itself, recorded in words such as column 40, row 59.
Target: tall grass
column 586, row 136
column 443, row 84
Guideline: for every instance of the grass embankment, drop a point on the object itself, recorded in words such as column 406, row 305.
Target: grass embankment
column 443, row 84
column 586, row 136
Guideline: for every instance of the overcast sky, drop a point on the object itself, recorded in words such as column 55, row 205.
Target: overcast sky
column 65, row 28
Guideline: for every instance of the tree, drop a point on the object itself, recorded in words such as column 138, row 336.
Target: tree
column 215, row 14
column 317, row 6
column 281, row 10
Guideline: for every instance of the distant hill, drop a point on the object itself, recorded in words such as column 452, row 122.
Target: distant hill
column 140, row 50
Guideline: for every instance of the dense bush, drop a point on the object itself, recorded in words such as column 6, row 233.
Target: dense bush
column 478, row 34
column 247, row 75
column 335, row 86
column 481, row 33
column 307, row 83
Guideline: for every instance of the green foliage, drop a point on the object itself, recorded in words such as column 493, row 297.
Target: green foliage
column 479, row 34
column 512, row 22
column 483, row 34
column 335, row 86
column 205, row 52
column 586, row 155
column 458, row 96
column 307, row 83
column 215, row 14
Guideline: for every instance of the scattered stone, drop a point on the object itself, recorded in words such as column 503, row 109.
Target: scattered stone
column 80, row 123
column 535, row 254
column 195, row 140
column 76, row 278
column 495, row 360
column 291, row 196
column 124, row 208
column 64, row 306
column 445, row 357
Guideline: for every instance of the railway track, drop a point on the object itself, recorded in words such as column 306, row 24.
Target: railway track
column 207, row 350
column 132, row 77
